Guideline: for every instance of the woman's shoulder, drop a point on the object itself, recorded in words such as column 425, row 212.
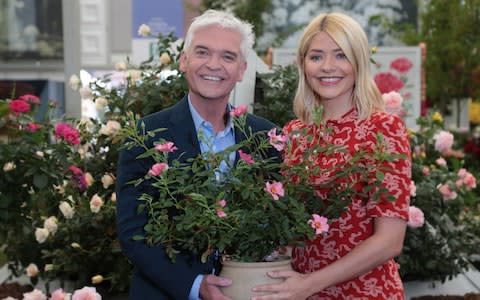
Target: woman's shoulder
column 382, row 119
column 294, row 125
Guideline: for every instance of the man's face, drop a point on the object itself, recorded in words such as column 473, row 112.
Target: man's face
column 213, row 64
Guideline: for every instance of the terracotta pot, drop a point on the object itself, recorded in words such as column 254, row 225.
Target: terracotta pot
column 247, row 275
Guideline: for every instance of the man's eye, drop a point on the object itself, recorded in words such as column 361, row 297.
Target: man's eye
column 229, row 58
column 201, row 53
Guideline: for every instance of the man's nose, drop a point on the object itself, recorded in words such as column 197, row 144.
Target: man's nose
column 214, row 62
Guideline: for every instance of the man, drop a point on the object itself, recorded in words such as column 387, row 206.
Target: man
column 213, row 60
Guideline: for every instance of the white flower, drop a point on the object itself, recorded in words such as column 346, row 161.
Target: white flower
column 101, row 103
column 74, row 82
column 134, row 75
column 51, row 224
column 41, row 234
column 96, row 203
column 39, row 154
column 107, row 180
column 9, row 166
column 111, row 128
column 144, row 30
column 89, row 179
column 66, row 210
column 113, row 198
column 48, row 267
column 75, row 245
column 32, row 270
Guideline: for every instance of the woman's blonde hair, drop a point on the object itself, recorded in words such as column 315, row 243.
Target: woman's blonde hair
column 351, row 38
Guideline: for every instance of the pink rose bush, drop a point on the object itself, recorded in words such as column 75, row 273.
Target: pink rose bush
column 57, row 185
column 441, row 226
column 246, row 213
column 85, row 293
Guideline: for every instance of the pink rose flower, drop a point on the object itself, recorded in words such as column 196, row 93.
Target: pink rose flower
column 426, row 171
column 238, row 111
column 447, row 192
column 401, row 65
column 275, row 189
column 441, row 162
column 277, row 141
column 33, row 127
column 86, row 293
column 222, row 202
column 166, row 147
column 19, row 106
column 466, row 178
column 319, row 223
column 30, row 98
column 413, row 189
column 157, row 169
column 393, row 100
column 415, row 217
column 247, row 158
column 443, row 141
column 221, row 213
column 35, row 295
column 67, row 133
column 58, row 294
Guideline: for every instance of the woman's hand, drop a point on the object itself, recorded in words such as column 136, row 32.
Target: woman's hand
column 295, row 287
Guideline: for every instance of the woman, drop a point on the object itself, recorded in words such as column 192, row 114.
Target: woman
column 354, row 260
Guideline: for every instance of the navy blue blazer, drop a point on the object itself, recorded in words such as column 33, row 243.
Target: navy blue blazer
column 154, row 276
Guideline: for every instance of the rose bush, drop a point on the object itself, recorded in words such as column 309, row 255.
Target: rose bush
column 249, row 208
column 57, row 184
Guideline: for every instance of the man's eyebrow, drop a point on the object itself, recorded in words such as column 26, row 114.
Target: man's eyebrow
column 233, row 53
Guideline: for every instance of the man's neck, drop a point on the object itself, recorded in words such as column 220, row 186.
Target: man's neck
column 212, row 111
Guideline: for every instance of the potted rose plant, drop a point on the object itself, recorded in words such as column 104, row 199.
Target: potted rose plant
column 249, row 211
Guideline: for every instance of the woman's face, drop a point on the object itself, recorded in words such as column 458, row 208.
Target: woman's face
column 328, row 71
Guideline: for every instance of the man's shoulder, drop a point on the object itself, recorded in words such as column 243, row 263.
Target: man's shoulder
column 164, row 116
column 259, row 123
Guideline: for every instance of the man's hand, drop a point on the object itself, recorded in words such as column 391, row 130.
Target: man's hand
column 210, row 287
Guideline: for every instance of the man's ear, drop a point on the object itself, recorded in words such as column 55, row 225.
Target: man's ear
column 242, row 70
column 182, row 66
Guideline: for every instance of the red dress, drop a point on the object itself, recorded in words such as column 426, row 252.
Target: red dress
column 356, row 224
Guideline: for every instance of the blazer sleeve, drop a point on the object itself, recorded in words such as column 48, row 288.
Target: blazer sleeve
column 173, row 279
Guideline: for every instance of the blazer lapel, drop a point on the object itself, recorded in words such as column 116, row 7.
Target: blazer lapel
column 182, row 130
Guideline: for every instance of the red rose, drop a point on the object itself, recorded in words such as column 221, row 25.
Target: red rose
column 19, row 106
column 387, row 82
column 401, row 65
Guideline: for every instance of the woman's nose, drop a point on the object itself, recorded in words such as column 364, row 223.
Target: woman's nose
column 328, row 64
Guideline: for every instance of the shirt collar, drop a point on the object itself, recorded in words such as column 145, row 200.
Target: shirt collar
column 199, row 122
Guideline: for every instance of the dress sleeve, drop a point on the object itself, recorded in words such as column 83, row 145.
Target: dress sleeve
column 398, row 175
